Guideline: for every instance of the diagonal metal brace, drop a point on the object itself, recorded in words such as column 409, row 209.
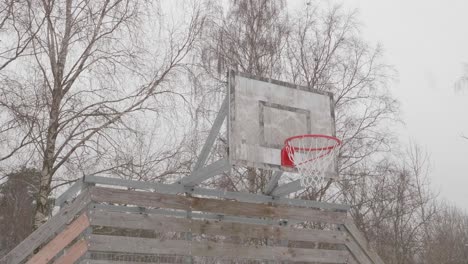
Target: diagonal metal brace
column 287, row 188
column 212, row 136
column 205, row 173
column 200, row 173
column 273, row 183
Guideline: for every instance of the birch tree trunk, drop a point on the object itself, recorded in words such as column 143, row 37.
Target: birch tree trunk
column 93, row 73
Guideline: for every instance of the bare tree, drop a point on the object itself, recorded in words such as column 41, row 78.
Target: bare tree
column 160, row 156
column 448, row 236
column 91, row 72
column 78, row 80
column 395, row 206
column 17, row 30
column 326, row 52
column 251, row 37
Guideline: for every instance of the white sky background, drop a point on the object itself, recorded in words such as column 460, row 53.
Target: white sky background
column 426, row 41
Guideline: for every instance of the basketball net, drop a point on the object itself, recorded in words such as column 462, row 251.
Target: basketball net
column 313, row 156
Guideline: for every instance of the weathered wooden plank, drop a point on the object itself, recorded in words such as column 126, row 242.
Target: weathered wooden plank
column 99, row 194
column 351, row 260
column 60, row 241
column 357, row 253
column 362, row 241
column 222, row 194
column 74, row 253
column 95, row 261
column 163, row 223
column 47, row 230
column 205, row 216
column 137, row 245
column 139, row 185
column 213, row 249
column 69, row 193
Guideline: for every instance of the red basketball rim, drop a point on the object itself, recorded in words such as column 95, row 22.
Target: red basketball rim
column 287, row 142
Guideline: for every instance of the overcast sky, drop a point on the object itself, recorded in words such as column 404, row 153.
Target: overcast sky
column 427, row 42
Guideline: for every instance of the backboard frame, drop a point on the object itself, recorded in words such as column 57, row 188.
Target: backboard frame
column 232, row 81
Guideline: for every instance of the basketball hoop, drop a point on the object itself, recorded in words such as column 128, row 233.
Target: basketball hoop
column 311, row 155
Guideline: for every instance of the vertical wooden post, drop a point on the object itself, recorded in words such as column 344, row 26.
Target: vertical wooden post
column 188, row 235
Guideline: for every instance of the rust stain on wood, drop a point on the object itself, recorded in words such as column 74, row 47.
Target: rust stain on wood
column 61, row 240
column 151, row 199
column 73, row 253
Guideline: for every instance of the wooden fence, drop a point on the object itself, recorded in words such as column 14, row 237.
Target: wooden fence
column 105, row 225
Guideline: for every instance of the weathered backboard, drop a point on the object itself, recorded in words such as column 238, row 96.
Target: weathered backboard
column 264, row 112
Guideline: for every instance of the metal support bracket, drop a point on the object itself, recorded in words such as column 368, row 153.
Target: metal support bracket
column 212, row 136
column 273, row 183
column 200, row 173
column 205, row 173
column 288, row 188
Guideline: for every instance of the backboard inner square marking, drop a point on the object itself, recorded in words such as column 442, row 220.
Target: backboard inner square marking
column 275, row 117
